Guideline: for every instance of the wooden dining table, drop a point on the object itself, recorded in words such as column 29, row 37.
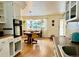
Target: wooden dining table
column 29, row 34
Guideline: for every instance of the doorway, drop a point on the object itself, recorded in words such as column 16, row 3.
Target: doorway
column 62, row 27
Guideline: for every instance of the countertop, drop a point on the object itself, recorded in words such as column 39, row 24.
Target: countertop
column 5, row 36
column 64, row 41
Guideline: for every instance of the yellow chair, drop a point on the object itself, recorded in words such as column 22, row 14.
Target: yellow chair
column 34, row 36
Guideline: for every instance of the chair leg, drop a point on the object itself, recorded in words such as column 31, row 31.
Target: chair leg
column 34, row 41
column 25, row 41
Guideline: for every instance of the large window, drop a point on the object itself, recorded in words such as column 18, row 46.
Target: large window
column 35, row 24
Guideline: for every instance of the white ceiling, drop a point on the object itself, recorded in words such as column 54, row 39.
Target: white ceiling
column 44, row 8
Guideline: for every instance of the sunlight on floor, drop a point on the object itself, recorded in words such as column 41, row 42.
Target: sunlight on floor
column 44, row 48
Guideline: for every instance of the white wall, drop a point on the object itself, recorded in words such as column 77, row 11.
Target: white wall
column 50, row 29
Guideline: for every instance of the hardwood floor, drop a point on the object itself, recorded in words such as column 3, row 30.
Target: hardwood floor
column 44, row 48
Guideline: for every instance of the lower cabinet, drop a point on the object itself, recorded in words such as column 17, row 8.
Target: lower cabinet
column 9, row 47
column 4, row 49
column 55, row 46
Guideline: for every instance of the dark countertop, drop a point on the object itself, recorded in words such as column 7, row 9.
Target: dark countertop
column 64, row 41
column 5, row 36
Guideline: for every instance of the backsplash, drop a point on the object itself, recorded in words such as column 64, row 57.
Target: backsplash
column 72, row 27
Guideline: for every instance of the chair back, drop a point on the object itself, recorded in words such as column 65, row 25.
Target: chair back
column 34, row 35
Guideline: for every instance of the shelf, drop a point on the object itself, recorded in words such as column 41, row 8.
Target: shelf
column 17, row 52
column 17, row 46
column 73, row 12
column 2, row 22
column 73, row 3
column 73, row 20
column 1, row 15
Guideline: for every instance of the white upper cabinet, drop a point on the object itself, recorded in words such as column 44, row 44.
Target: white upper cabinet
column 2, row 17
column 16, row 11
column 10, row 10
column 67, row 6
column 17, row 7
column 72, row 11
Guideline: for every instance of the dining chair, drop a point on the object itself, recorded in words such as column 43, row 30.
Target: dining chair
column 34, row 38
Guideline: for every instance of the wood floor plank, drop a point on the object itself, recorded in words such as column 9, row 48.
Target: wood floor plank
column 44, row 48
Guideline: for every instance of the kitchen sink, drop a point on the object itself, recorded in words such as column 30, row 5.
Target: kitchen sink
column 69, row 51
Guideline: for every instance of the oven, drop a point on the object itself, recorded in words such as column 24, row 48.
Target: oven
column 17, row 27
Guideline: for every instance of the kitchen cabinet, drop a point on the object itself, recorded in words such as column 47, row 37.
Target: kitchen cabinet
column 9, row 16
column 72, row 11
column 55, row 47
column 10, row 46
column 17, row 7
column 17, row 45
column 67, row 13
column 16, row 11
column 12, row 11
column 8, row 11
column 72, row 17
column 2, row 16
column 4, row 46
